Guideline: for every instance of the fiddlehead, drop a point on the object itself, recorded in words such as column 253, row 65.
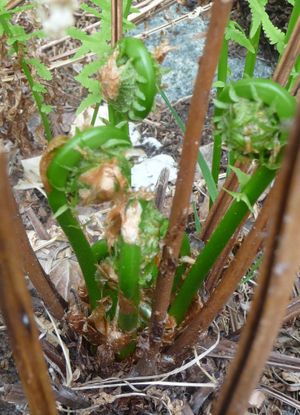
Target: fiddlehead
column 69, row 161
column 129, row 79
column 250, row 118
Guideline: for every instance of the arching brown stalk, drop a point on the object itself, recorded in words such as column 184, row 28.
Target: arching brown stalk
column 116, row 21
column 289, row 57
column 217, row 270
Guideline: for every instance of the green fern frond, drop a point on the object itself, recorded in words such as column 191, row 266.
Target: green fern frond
column 97, row 43
column 91, row 10
column 41, row 68
column 236, row 34
column 90, row 100
column 260, row 16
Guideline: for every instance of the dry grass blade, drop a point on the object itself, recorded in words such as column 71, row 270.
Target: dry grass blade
column 226, row 349
column 280, row 397
column 230, row 279
column 17, row 311
column 274, row 286
column 180, row 206
column 293, row 310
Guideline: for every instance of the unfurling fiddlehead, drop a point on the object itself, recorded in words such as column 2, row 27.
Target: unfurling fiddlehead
column 94, row 167
column 60, row 167
column 249, row 119
column 270, row 97
column 129, row 79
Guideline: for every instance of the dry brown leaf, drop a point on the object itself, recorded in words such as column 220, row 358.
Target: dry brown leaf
column 80, row 324
column 66, row 274
column 160, row 52
column 104, row 398
column 98, row 316
column 31, row 179
column 114, row 221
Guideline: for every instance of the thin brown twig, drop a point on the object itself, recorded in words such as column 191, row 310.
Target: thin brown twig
column 161, row 188
column 18, row 314
column 296, row 87
column 199, row 104
column 222, row 203
column 275, row 284
column 226, row 349
column 218, row 268
column 11, row 4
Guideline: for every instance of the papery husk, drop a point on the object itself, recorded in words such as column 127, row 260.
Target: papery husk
column 110, row 78
column 105, row 182
column 79, row 323
column 47, row 157
column 114, row 220
column 106, row 269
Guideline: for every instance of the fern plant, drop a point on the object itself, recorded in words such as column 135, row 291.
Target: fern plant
column 99, row 44
column 260, row 20
column 94, row 167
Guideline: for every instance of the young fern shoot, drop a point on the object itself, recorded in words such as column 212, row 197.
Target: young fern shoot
column 256, row 143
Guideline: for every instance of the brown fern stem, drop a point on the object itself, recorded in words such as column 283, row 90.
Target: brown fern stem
column 289, row 57
column 199, row 104
column 17, row 310
column 222, row 203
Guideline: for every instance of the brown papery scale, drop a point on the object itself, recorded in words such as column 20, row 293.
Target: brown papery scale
column 110, row 78
column 105, row 183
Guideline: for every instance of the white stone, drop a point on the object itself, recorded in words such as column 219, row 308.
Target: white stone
column 146, row 174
